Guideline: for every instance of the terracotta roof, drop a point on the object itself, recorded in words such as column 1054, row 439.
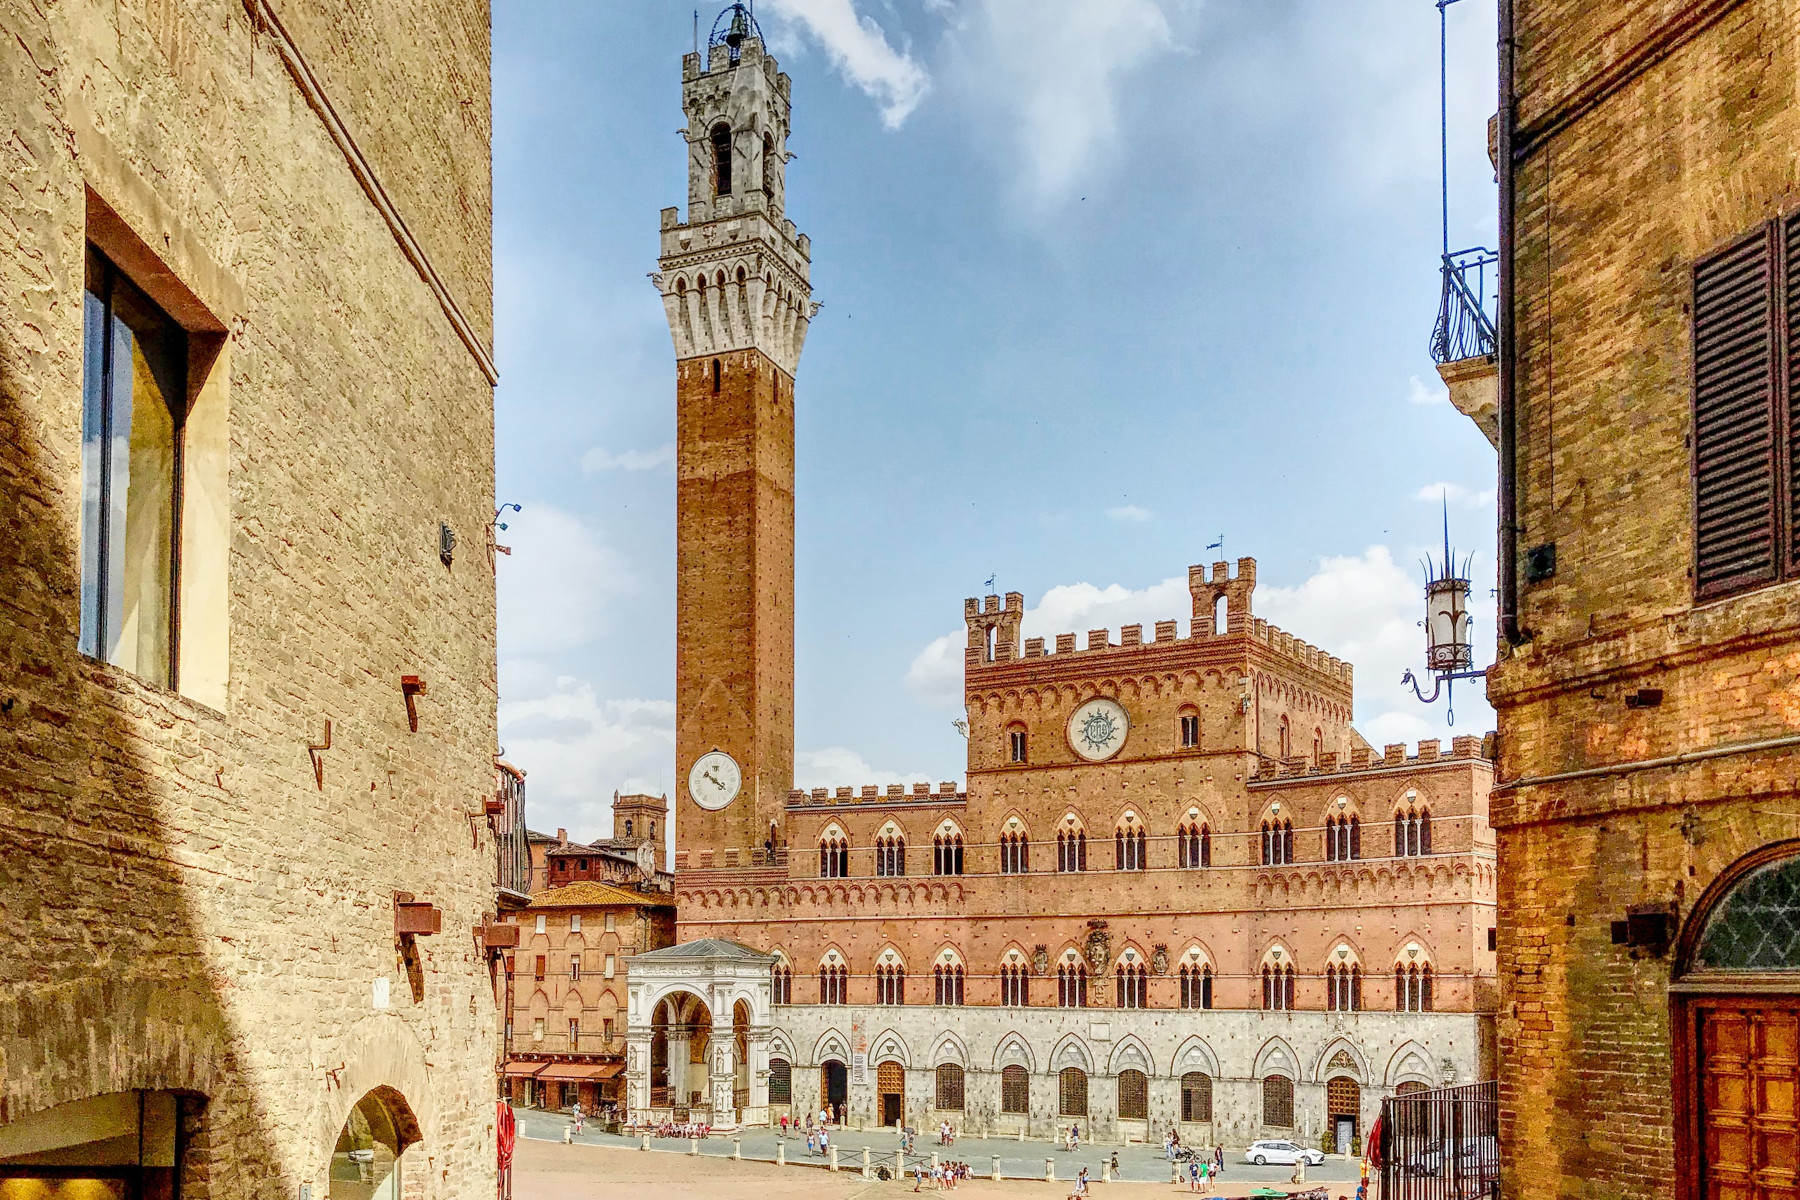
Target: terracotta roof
column 589, row 894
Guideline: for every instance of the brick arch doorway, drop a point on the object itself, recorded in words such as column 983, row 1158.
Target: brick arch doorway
column 890, row 1092
column 1343, row 1105
column 1736, row 1007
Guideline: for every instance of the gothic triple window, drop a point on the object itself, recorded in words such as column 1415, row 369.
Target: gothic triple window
column 1193, row 844
column 949, row 980
column 947, row 854
column 1015, row 985
column 1277, row 842
column 1132, row 985
column 1071, row 850
column 1343, row 838
column 1071, row 985
column 1196, row 985
column 782, row 991
column 890, row 984
column 834, row 983
column 834, row 856
column 1015, row 854
column 1129, row 853
column 1343, row 988
column 890, row 854
column 1278, row 987
column 1412, row 832
column 1412, row 987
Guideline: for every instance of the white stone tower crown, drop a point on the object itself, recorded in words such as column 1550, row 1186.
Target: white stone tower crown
column 735, row 275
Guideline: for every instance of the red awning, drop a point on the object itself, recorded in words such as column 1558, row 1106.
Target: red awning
column 571, row 1071
column 522, row 1070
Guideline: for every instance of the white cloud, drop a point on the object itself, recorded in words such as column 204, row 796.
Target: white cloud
column 860, row 50
column 1456, row 494
column 1128, row 512
column 1363, row 608
column 1053, row 68
column 553, row 588
column 600, row 459
column 837, row 766
column 1418, row 393
column 577, row 749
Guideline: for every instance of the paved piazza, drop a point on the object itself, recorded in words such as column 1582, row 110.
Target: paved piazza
column 601, row 1164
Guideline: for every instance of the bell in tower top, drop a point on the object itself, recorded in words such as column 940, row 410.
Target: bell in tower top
column 734, row 26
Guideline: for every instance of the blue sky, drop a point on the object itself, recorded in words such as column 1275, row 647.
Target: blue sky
column 1103, row 280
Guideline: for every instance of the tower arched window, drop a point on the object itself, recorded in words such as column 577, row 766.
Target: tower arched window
column 1277, row 842
column 890, row 854
column 1412, row 832
column 1412, row 987
column 1129, row 848
column 768, row 167
column 721, row 152
column 1343, row 838
column 1017, row 747
column 782, row 991
column 1284, row 739
column 1194, row 845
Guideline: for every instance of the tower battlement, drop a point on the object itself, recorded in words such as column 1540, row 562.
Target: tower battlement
column 736, row 274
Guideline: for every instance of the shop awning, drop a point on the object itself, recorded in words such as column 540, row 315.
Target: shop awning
column 522, row 1070
column 571, row 1071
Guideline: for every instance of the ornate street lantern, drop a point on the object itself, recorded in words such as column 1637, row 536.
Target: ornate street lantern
column 1449, row 645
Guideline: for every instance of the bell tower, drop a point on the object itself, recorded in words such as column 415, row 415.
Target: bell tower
column 734, row 282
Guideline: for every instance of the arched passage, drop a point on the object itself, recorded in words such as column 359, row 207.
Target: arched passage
column 367, row 1160
column 680, row 1033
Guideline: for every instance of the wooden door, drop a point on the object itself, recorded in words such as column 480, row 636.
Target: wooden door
column 1747, row 1069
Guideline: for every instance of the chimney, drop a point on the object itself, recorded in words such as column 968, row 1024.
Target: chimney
column 562, row 836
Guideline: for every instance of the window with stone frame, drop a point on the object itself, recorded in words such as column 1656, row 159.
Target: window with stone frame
column 1015, row 1090
column 781, row 1081
column 1196, row 985
column 1134, row 1096
column 1072, row 985
column 720, row 139
column 1132, row 985
column 1190, row 731
column 1193, row 845
column 890, row 984
column 1071, row 850
column 949, row 1087
column 1196, row 1097
column 1016, row 746
column 1072, row 1092
column 1412, row 832
column 1278, row 1102
column 948, row 978
column 1015, row 985
column 1129, row 848
column 1015, row 853
column 947, row 853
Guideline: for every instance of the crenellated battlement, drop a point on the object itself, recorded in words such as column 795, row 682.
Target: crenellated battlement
column 1222, row 608
column 1393, row 756
column 873, row 793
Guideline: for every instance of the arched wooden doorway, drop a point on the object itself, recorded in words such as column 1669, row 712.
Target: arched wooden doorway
column 1736, row 1016
column 834, row 1085
column 366, row 1161
column 1343, row 1106
column 890, row 1092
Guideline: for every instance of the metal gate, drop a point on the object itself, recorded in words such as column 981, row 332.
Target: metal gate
column 1440, row 1144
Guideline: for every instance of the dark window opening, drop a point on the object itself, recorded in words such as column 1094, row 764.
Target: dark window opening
column 721, row 149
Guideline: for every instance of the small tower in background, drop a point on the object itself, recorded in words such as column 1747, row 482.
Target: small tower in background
column 641, row 819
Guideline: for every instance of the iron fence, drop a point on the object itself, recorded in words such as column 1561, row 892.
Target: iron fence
column 1441, row 1144
column 1465, row 328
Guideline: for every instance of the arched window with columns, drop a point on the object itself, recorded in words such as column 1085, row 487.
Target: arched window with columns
column 834, row 854
column 1015, row 848
column 947, row 850
column 1412, row 980
column 1130, row 844
column 1071, row 845
column 890, row 851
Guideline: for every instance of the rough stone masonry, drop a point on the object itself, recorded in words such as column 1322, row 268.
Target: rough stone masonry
column 188, row 909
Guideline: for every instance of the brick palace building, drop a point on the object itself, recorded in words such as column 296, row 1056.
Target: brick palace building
column 1178, row 888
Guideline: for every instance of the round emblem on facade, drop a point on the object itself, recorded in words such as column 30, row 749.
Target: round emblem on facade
column 1097, row 729
column 714, row 779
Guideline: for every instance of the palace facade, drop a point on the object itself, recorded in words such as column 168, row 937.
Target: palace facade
column 1178, row 888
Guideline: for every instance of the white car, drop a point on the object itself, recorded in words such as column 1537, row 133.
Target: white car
column 1282, row 1153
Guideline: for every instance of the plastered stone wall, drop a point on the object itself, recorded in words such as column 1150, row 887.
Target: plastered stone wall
column 1381, row 1051
column 1615, row 204
column 182, row 905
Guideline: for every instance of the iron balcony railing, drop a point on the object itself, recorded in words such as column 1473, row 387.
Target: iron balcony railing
column 1465, row 320
column 1441, row 1144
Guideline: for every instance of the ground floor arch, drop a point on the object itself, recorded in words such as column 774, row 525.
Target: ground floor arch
column 368, row 1156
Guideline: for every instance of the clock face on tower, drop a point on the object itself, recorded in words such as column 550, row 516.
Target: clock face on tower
column 1097, row 729
column 714, row 780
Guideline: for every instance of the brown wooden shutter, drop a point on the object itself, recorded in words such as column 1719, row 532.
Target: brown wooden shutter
column 1790, row 373
column 1734, row 418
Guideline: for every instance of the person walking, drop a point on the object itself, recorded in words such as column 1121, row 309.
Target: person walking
column 824, row 1143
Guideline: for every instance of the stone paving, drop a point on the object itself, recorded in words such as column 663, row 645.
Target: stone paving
column 1018, row 1160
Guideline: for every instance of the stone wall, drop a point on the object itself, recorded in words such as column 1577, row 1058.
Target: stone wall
column 184, row 906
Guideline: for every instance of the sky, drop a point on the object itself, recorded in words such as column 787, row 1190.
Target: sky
column 1104, row 282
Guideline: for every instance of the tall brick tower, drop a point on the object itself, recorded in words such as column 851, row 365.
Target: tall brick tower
column 734, row 282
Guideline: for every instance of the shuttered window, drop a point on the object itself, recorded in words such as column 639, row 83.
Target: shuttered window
column 1746, row 369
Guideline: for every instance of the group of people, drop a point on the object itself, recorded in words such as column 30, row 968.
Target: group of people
column 669, row 1129
column 943, row 1177
column 946, row 1135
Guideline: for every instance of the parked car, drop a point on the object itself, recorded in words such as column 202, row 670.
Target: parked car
column 1282, row 1153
